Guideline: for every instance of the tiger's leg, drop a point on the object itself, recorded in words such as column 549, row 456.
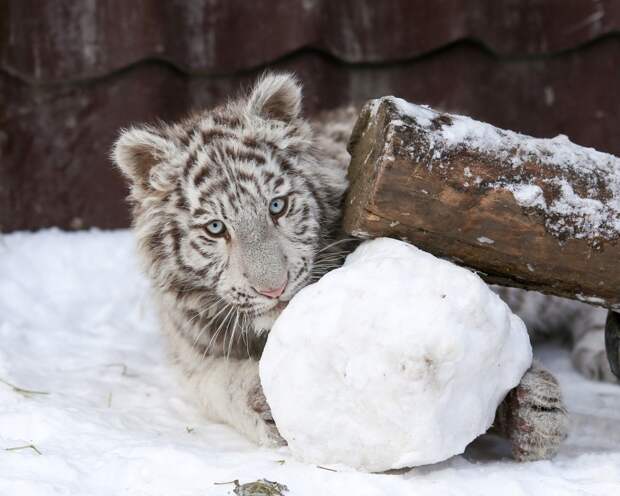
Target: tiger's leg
column 588, row 354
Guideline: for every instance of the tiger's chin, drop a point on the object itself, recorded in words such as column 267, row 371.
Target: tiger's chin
column 263, row 321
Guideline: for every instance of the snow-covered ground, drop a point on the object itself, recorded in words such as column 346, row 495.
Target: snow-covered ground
column 76, row 323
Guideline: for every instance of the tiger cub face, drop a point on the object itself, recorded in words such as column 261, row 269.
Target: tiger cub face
column 233, row 205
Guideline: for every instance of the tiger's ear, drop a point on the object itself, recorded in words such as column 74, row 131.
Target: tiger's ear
column 276, row 96
column 141, row 154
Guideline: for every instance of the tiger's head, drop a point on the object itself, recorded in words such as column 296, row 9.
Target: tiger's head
column 234, row 204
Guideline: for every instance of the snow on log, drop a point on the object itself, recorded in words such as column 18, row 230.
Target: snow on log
column 542, row 214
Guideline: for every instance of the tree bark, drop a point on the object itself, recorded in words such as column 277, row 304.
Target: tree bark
column 525, row 212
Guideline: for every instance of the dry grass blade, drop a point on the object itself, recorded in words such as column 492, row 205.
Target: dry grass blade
column 27, row 446
column 326, row 468
column 235, row 482
column 25, row 392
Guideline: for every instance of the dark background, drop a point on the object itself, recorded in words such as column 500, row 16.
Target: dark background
column 73, row 72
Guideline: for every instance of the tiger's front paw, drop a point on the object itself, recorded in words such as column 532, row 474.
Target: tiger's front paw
column 267, row 433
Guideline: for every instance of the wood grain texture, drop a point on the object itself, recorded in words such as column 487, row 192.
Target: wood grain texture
column 65, row 40
column 55, row 138
column 73, row 73
column 455, row 202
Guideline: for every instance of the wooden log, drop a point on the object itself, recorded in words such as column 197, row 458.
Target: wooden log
column 524, row 212
column 612, row 341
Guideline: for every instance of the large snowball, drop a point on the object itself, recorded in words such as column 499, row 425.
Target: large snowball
column 396, row 359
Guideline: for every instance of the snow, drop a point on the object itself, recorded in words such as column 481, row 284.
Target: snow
column 568, row 165
column 590, row 299
column 396, row 359
column 529, row 195
column 76, row 321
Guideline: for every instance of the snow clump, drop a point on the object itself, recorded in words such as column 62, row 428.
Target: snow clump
column 396, row 359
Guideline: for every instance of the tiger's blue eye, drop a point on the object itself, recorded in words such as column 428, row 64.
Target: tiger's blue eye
column 277, row 206
column 216, row 228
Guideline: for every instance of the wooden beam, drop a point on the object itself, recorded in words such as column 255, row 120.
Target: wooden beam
column 525, row 212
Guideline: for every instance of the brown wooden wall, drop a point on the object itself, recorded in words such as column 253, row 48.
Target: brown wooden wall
column 73, row 72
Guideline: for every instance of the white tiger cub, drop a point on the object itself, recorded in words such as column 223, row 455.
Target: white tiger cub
column 235, row 210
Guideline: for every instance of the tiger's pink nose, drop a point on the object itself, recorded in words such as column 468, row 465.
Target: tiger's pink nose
column 272, row 293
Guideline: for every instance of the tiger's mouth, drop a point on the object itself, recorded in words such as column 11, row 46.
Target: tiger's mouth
column 269, row 310
column 276, row 308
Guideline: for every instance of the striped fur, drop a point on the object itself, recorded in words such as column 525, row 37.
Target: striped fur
column 227, row 164
column 581, row 324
